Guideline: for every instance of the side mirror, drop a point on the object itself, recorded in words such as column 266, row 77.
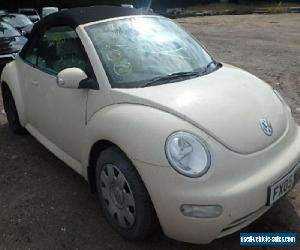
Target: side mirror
column 71, row 78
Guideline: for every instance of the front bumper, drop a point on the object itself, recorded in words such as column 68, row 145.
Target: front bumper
column 238, row 183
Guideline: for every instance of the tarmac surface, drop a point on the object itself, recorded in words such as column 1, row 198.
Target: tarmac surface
column 45, row 205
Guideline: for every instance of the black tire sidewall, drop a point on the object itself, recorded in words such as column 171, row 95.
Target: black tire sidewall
column 12, row 113
column 144, row 215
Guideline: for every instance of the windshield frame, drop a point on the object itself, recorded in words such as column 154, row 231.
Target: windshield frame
column 104, row 66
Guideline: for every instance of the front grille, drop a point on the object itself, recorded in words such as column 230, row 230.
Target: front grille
column 7, row 51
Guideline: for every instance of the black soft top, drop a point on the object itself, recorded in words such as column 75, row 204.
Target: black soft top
column 77, row 16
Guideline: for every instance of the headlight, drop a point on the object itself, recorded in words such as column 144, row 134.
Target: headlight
column 187, row 154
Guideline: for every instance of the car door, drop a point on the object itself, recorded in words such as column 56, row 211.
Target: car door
column 57, row 114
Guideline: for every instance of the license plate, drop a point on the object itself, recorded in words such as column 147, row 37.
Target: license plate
column 280, row 188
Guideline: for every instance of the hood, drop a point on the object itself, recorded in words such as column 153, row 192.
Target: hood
column 11, row 44
column 227, row 104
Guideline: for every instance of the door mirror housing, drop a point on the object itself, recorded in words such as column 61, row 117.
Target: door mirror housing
column 89, row 83
column 71, row 78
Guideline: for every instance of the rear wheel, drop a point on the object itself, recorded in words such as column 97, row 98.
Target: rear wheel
column 123, row 196
column 12, row 113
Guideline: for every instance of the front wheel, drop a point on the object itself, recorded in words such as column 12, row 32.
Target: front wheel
column 12, row 113
column 123, row 196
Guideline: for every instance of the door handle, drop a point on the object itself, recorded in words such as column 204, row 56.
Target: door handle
column 35, row 83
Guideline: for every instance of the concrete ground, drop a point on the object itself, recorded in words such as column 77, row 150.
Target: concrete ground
column 45, row 205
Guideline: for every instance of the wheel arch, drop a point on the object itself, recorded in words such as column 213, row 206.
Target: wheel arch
column 4, row 86
column 96, row 149
column 10, row 80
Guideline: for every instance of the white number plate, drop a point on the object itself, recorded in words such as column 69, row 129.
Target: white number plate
column 280, row 188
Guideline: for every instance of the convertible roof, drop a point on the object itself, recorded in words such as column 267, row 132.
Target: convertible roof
column 77, row 16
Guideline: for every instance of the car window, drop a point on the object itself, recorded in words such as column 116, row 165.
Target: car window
column 135, row 50
column 50, row 10
column 31, row 53
column 57, row 49
column 60, row 48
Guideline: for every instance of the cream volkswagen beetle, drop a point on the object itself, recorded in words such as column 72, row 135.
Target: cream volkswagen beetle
column 161, row 131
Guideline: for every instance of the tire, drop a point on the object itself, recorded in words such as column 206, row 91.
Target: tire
column 12, row 113
column 124, row 199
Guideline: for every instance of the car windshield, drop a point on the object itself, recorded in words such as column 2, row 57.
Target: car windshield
column 48, row 11
column 7, row 30
column 17, row 21
column 137, row 51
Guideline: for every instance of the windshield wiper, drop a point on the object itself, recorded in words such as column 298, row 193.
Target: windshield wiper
column 174, row 76
column 208, row 66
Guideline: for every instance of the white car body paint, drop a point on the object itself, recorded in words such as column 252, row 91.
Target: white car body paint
column 223, row 108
